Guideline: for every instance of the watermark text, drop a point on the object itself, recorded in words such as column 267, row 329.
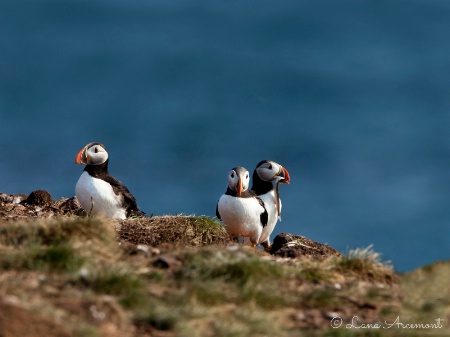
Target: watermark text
column 356, row 323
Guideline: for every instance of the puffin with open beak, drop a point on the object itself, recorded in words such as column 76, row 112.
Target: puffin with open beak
column 266, row 179
column 241, row 211
column 98, row 192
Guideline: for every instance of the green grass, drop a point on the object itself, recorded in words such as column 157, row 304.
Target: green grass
column 315, row 274
column 159, row 318
column 241, row 270
column 55, row 245
column 343, row 332
column 58, row 258
column 213, row 290
column 55, row 258
column 128, row 287
column 321, row 298
column 215, row 278
column 366, row 264
column 56, row 231
column 244, row 272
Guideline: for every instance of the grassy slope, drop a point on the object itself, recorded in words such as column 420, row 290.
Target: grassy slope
column 70, row 277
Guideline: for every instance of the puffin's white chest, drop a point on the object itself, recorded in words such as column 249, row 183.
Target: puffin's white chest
column 271, row 207
column 97, row 197
column 241, row 216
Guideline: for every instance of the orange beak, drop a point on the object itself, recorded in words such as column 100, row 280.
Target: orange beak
column 287, row 178
column 239, row 191
column 81, row 157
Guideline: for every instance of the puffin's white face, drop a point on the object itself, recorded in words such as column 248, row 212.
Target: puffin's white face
column 238, row 180
column 92, row 154
column 273, row 172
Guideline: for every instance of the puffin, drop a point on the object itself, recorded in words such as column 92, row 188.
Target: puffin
column 266, row 178
column 240, row 209
column 98, row 192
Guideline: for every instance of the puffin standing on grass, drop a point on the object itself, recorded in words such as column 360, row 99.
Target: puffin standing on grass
column 266, row 178
column 98, row 192
column 240, row 210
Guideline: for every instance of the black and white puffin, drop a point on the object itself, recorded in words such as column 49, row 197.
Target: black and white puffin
column 97, row 191
column 240, row 210
column 266, row 178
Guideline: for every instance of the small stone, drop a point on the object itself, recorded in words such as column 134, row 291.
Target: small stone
column 166, row 261
column 71, row 205
column 143, row 248
column 129, row 247
column 39, row 197
column 233, row 248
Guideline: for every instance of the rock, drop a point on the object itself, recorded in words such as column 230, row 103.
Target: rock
column 71, row 205
column 39, row 198
column 128, row 247
column 297, row 246
column 12, row 198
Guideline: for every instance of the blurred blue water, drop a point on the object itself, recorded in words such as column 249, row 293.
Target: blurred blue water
column 352, row 97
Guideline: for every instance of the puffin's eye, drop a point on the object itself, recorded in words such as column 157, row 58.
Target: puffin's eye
column 232, row 174
column 95, row 149
column 270, row 166
column 246, row 176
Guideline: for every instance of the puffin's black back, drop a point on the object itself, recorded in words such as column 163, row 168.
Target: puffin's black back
column 129, row 201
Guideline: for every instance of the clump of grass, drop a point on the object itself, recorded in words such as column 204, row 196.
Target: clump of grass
column 315, row 273
column 58, row 231
column 176, row 230
column 212, row 293
column 324, row 297
column 250, row 321
column 224, row 276
column 245, row 271
column 235, row 267
column 122, row 283
column 56, row 245
column 85, row 330
column 58, row 258
column 428, row 307
column 114, row 282
column 55, row 258
column 268, row 297
column 366, row 264
column 160, row 318
column 426, row 294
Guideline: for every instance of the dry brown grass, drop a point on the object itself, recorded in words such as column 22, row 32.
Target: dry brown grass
column 73, row 270
column 48, row 271
column 178, row 275
column 365, row 264
column 174, row 230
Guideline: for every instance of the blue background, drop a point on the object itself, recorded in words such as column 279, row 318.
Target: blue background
column 352, row 97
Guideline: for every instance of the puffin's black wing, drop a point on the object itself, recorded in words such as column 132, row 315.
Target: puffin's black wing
column 129, row 201
column 217, row 212
column 264, row 216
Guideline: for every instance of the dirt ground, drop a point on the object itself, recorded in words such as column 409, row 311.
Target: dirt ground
column 65, row 274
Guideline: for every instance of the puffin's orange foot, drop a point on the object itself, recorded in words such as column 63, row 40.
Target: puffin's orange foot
column 253, row 244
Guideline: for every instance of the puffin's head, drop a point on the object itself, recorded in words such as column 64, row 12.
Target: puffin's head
column 238, row 180
column 92, row 154
column 270, row 171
